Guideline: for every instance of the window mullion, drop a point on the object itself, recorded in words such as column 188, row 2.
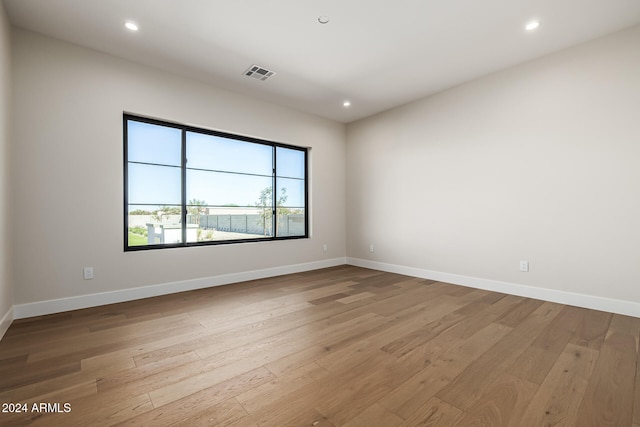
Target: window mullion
column 184, row 187
column 274, row 224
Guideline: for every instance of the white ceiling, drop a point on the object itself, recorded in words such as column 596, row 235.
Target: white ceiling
column 376, row 53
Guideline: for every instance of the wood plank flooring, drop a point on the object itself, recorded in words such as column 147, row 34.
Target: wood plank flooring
column 343, row 346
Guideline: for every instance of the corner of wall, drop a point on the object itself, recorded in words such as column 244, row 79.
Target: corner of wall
column 6, row 283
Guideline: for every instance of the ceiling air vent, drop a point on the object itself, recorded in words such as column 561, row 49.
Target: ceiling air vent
column 258, row 72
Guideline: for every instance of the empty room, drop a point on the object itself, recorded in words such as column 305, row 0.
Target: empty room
column 304, row 213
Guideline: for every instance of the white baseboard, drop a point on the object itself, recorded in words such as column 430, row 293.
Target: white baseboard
column 610, row 305
column 21, row 311
column 40, row 308
column 6, row 322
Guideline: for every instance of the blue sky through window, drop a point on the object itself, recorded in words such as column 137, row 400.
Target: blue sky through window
column 220, row 171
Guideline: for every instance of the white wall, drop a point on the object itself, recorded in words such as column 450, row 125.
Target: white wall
column 540, row 162
column 6, row 286
column 537, row 162
column 67, row 159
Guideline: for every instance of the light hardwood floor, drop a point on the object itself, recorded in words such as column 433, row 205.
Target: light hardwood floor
column 344, row 346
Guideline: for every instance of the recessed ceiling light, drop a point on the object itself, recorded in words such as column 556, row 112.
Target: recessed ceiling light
column 532, row 25
column 346, row 104
column 131, row 26
column 323, row 19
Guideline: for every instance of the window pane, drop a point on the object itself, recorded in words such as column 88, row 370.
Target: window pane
column 225, row 189
column 291, row 222
column 290, row 192
column 229, row 155
column 154, row 144
column 150, row 184
column 230, row 186
column 290, row 163
column 152, row 225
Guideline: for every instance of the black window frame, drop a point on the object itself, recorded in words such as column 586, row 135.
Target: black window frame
column 187, row 128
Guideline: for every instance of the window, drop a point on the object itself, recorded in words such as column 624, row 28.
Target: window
column 185, row 186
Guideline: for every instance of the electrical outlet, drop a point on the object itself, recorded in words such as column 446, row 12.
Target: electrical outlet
column 371, row 248
column 87, row 273
column 324, row 248
column 524, row 266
